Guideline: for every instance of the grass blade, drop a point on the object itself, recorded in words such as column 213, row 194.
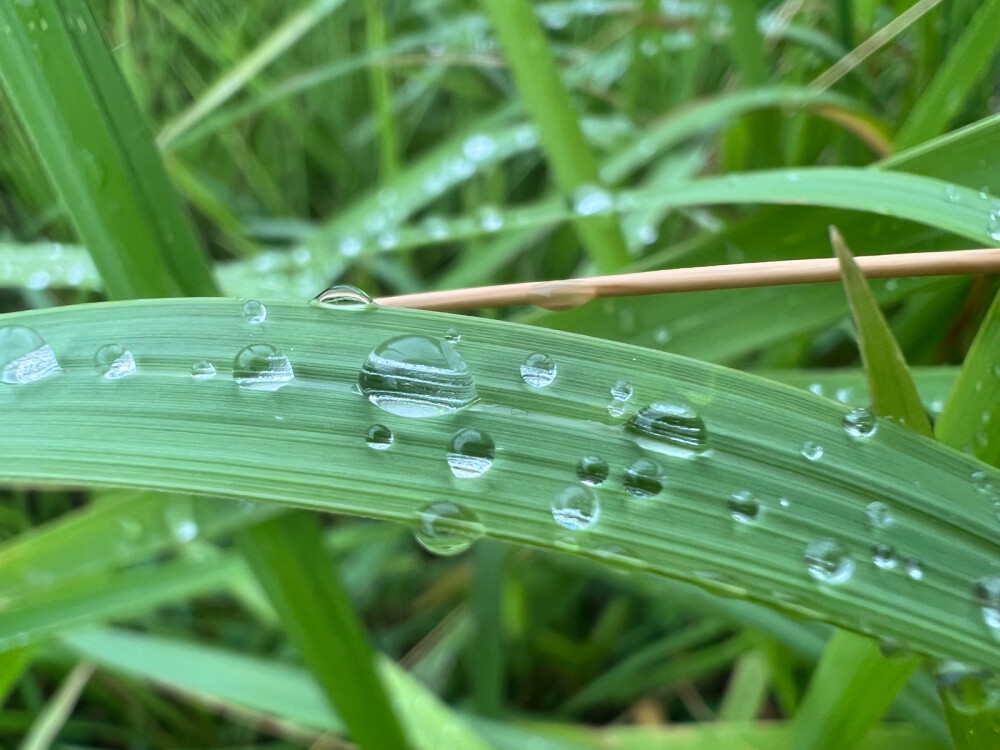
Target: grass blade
column 538, row 80
column 98, row 151
column 288, row 559
column 50, row 721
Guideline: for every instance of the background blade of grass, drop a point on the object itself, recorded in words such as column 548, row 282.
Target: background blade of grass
column 47, row 726
column 288, row 559
column 290, row 460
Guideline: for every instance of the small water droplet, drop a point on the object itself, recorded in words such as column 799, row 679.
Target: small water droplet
column 828, row 562
column 447, row 528
column 913, row 568
column 479, row 148
column 812, row 450
column 576, row 508
column 254, row 312
column 879, row 514
column 969, row 691
column 744, row 507
column 417, row 376
column 350, row 246
column 114, row 362
column 262, row 367
column 784, row 502
column 592, row 200
column 202, row 370
column 621, row 391
column 993, row 226
column 952, row 194
column 387, row 240
column 884, row 556
column 673, row 429
column 24, row 356
column 592, row 470
column 643, row 478
column 452, row 335
column 490, row 218
column 379, row 437
column 180, row 521
column 538, row 370
column 860, row 423
column 470, row 453
column 343, row 297
column 987, row 593
column 437, row 228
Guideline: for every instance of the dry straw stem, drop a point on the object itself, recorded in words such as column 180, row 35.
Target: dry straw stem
column 563, row 295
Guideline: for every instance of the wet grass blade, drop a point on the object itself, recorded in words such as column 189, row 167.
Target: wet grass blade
column 288, row 559
column 546, row 99
column 126, row 435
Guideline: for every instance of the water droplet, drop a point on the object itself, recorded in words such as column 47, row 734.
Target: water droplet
column 812, row 450
column 262, row 367
column 952, row 194
column 538, row 370
column 591, row 200
column 350, row 246
column 860, row 423
column 673, row 429
column 987, row 593
column 490, row 218
column 644, row 478
column 437, row 228
column 913, row 568
column 343, row 297
column 479, row 148
column 387, row 240
column 24, row 356
column 417, row 376
column 114, row 362
column 993, row 226
column 884, row 556
column 744, row 507
column 470, row 453
column 202, row 370
column 879, row 514
column 621, row 391
column 446, row 528
column 180, row 521
column 452, row 335
column 969, row 691
column 254, row 312
column 827, row 561
column 616, row 408
column 379, row 437
column 592, row 470
column 576, row 508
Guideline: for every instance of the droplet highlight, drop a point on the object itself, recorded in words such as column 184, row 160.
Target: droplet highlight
column 744, row 507
column 812, row 450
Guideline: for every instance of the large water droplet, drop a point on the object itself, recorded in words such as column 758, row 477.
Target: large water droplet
column 592, row 470
column 744, row 507
column 576, row 508
column 860, row 423
column 254, row 312
column 417, row 376
column 812, row 450
column 643, row 478
column 538, row 370
column 379, row 437
column 262, row 367
column 987, row 593
column 470, row 453
column 343, row 297
column 969, row 691
column 447, row 528
column 114, row 362
column 884, row 556
column 827, row 561
column 24, row 356
column 879, row 514
column 592, row 200
column 202, row 370
column 674, row 429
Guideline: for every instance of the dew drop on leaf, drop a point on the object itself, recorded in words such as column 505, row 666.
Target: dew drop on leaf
column 827, row 561
column 913, row 568
column 576, row 508
column 114, row 362
column 884, row 556
column 202, row 370
column 643, row 478
column 622, row 390
column 254, row 312
column 969, row 691
column 417, row 376
column 262, row 367
column 447, row 528
column 379, row 437
column 744, row 507
column 343, row 297
column 538, row 370
column 673, row 429
column 592, row 200
column 470, row 453
column 24, row 356
column 592, row 470
column 812, row 450
column 860, row 423
column 879, row 514
column 987, row 593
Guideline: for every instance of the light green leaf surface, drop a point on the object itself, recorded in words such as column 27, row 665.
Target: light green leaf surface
column 304, row 445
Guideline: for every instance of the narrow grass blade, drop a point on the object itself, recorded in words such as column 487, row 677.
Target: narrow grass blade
column 747, row 688
column 271, row 48
column 13, row 662
column 98, row 151
column 288, row 559
column 50, row 721
column 488, row 648
column 126, row 435
column 966, row 64
column 546, row 99
column 381, row 91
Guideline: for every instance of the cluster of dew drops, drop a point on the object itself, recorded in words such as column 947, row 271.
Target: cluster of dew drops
column 418, row 376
